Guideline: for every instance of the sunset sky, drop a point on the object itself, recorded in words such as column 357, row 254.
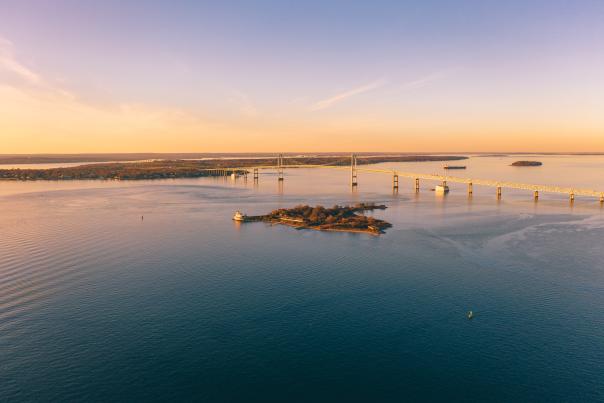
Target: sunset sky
column 249, row 76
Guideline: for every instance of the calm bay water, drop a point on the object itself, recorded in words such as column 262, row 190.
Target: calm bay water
column 99, row 305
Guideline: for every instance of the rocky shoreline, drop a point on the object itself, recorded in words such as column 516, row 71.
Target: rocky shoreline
column 319, row 218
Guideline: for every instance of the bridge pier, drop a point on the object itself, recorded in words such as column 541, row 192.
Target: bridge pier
column 280, row 168
column 470, row 191
column 498, row 192
column 395, row 182
column 353, row 171
column 416, row 185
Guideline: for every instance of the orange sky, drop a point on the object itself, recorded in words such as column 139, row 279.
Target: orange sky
column 490, row 79
column 46, row 120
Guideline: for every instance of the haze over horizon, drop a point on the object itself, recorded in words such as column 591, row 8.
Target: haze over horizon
column 479, row 76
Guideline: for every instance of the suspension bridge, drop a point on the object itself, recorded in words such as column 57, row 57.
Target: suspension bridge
column 443, row 180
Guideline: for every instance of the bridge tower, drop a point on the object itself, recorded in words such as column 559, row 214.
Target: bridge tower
column 498, row 192
column 353, row 170
column 255, row 174
column 280, row 167
column 470, row 191
column 416, row 185
column 394, row 181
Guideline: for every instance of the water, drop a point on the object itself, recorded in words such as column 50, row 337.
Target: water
column 51, row 165
column 99, row 305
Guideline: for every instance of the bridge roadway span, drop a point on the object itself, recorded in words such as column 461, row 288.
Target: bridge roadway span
column 442, row 178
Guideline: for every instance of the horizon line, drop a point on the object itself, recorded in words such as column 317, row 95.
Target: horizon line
column 301, row 152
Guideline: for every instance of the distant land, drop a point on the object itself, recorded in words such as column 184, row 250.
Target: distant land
column 163, row 169
column 128, row 157
column 116, row 157
column 131, row 157
column 527, row 164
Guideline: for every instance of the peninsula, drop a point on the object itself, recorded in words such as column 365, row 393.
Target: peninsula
column 169, row 169
column 337, row 218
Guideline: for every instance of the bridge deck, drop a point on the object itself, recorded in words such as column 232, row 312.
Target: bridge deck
column 440, row 178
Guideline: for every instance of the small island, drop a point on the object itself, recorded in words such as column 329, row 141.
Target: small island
column 527, row 164
column 337, row 218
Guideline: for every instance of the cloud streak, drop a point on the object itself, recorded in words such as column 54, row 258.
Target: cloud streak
column 65, row 123
column 22, row 77
column 9, row 63
column 329, row 102
column 424, row 81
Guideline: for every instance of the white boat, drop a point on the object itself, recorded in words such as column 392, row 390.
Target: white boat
column 239, row 217
column 470, row 315
column 441, row 189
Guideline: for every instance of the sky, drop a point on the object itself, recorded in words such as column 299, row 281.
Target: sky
column 252, row 76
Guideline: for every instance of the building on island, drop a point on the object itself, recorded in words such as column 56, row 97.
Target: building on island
column 239, row 217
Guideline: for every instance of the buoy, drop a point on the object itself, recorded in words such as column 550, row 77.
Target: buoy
column 470, row 315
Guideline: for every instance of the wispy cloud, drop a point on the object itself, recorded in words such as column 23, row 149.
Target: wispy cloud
column 9, row 63
column 62, row 115
column 424, row 81
column 329, row 102
column 24, row 78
